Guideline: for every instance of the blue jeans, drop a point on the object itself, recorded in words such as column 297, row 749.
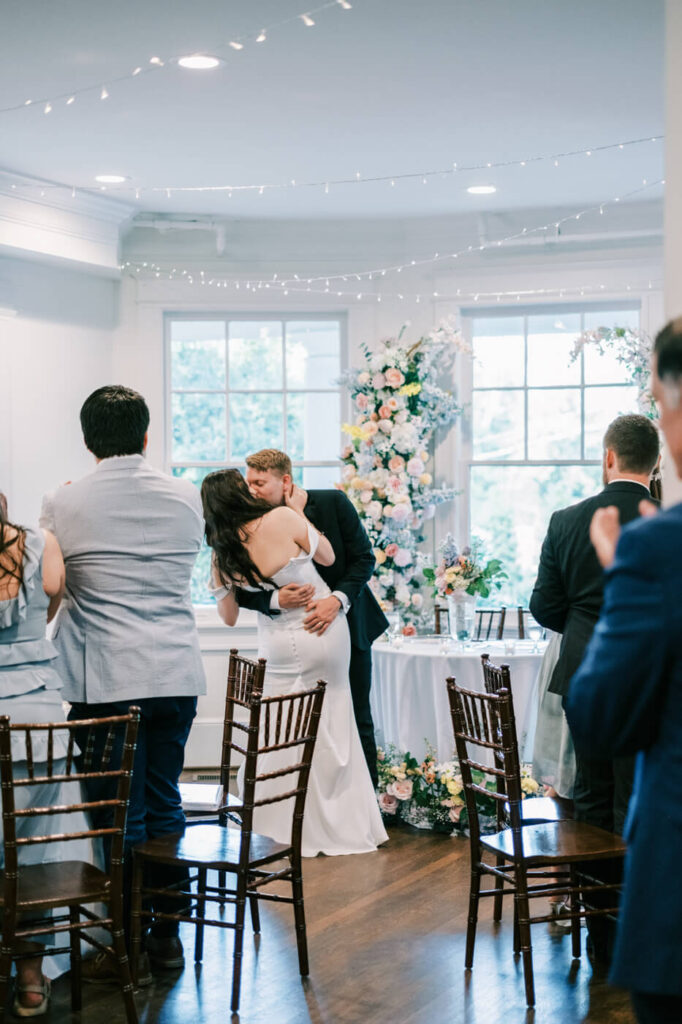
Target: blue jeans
column 155, row 807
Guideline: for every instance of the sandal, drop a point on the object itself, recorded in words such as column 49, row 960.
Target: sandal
column 32, row 1011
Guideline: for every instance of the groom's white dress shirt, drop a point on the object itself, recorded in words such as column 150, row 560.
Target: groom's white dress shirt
column 130, row 536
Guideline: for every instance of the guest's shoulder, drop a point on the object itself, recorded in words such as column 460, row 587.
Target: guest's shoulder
column 654, row 541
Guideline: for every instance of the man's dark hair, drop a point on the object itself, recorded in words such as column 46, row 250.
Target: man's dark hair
column 114, row 421
column 668, row 351
column 635, row 441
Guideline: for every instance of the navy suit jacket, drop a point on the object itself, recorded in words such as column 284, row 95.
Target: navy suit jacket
column 627, row 697
column 332, row 514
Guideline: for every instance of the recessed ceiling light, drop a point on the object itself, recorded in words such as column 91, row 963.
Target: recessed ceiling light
column 198, row 62
column 481, row 190
column 110, row 179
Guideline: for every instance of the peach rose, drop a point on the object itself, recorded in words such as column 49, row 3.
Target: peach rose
column 396, row 464
column 392, row 403
column 362, row 402
column 401, row 789
column 394, row 378
column 387, row 804
column 425, row 479
column 454, row 813
column 409, row 630
column 385, row 412
column 391, row 550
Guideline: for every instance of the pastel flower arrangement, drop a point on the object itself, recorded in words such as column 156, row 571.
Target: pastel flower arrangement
column 464, row 571
column 399, row 405
column 430, row 794
column 632, row 349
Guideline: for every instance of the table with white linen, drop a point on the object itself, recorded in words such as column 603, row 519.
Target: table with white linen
column 409, row 697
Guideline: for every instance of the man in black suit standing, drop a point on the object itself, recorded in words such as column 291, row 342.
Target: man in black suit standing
column 269, row 476
column 567, row 598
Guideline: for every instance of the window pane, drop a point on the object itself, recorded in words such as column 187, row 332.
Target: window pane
column 602, row 405
column 255, row 422
column 498, row 352
column 554, row 424
column 550, row 341
column 317, row 477
column 313, row 426
column 198, row 354
column 611, row 318
column 510, row 510
column 605, row 369
column 256, row 354
column 313, row 354
column 498, row 425
column 198, row 428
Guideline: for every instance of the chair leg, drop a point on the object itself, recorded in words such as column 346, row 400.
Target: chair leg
column 499, row 890
column 255, row 913
column 136, row 917
column 517, row 937
column 75, row 938
column 575, row 923
column 8, row 942
column 200, row 912
column 238, row 940
column 523, row 911
column 299, row 917
column 118, row 939
column 474, row 890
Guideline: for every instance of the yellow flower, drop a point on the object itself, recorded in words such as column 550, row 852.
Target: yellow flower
column 410, row 389
column 424, row 456
column 380, row 556
column 359, row 433
column 454, row 788
column 529, row 785
column 425, row 479
column 357, row 483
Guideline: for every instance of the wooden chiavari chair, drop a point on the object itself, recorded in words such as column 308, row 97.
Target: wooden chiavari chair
column 530, row 854
column 27, row 891
column 489, row 623
column 288, row 722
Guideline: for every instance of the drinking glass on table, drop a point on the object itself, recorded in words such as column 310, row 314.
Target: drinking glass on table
column 535, row 634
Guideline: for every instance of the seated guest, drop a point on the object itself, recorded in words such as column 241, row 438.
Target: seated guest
column 627, row 697
column 567, row 598
column 126, row 631
column 31, row 586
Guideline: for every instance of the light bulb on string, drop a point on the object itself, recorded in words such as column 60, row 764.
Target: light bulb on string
column 307, row 20
column 104, row 95
column 236, row 45
column 262, row 37
column 71, row 99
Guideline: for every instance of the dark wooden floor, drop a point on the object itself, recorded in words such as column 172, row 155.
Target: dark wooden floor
column 386, row 935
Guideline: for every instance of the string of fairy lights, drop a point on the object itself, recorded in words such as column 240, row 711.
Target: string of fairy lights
column 356, row 283
column 103, row 88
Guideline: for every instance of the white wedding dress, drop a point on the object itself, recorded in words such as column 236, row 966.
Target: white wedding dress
column 341, row 811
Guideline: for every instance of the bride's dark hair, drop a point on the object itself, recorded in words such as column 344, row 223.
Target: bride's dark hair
column 228, row 507
column 12, row 561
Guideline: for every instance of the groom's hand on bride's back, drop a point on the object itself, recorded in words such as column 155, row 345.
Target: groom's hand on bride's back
column 321, row 614
column 295, row 595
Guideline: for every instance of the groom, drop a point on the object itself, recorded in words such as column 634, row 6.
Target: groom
column 268, row 474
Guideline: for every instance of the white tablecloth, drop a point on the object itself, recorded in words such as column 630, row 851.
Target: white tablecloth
column 409, row 697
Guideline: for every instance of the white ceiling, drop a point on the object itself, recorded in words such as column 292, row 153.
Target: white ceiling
column 389, row 87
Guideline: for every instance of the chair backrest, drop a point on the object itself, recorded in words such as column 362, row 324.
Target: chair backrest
column 495, row 677
column 244, row 682
column 440, row 613
column 66, row 752
column 525, row 620
column 490, row 623
column 486, row 721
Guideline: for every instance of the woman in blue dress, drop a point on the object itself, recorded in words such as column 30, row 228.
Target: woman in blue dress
column 31, row 587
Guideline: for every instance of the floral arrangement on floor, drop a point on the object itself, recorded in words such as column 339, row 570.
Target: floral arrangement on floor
column 399, row 404
column 430, row 795
column 632, row 348
column 464, row 570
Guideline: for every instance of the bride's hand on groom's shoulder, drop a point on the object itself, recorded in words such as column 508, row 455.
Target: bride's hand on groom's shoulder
column 296, row 498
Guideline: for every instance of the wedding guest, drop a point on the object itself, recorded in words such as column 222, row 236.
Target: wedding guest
column 31, row 586
column 269, row 476
column 628, row 693
column 126, row 632
column 567, row 598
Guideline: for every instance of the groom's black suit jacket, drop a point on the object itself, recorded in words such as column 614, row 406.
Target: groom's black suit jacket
column 569, row 590
column 332, row 514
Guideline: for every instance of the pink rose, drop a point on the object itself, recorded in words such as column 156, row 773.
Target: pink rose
column 454, row 813
column 415, row 467
column 391, row 550
column 378, row 381
column 396, row 464
column 365, row 497
column 362, row 402
column 394, row 378
column 384, row 412
column 387, row 804
column 402, row 556
column 401, row 789
column 370, row 428
column 401, row 513
column 409, row 630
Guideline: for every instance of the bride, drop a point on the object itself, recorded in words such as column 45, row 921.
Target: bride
column 256, row 546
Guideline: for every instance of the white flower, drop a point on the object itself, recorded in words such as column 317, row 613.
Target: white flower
column 386, row 426
column 374, row 509
column 365, row 497
column 363, row 378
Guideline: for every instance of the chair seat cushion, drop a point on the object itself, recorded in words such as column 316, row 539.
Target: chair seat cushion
column 64, row 883
column 557, row 841
column 211, row 845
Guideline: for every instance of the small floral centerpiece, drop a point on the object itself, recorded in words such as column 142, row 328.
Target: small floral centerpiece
column 399, row 403
column 632, row 349
column 461, row 577
column 429, row 794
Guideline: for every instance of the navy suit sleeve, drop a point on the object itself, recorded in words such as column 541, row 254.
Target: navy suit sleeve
column 256, row 600
column 549, row 600
column 614, row 702
column 360, row 559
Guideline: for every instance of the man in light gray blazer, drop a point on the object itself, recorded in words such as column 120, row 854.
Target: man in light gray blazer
column 126, row 632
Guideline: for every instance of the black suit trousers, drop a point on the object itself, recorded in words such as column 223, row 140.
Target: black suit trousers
column 360, row 684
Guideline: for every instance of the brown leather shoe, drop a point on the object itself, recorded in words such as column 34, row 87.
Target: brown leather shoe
column 102, row 970
column 165, row 952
